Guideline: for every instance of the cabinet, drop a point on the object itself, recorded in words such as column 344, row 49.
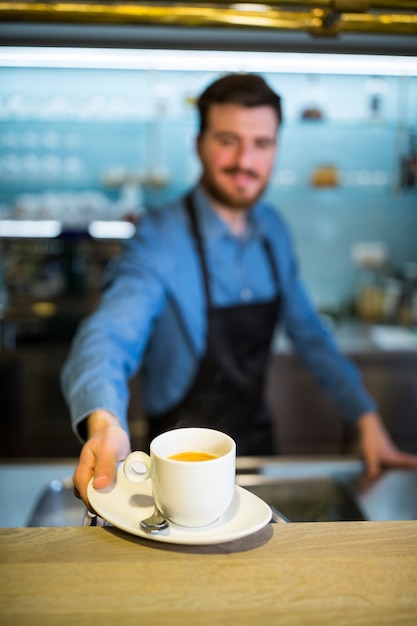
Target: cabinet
column 306, row 420
column 34, row 418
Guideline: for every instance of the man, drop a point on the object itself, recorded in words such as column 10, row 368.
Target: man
column 194, row 302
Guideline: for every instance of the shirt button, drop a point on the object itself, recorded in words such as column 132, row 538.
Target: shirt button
column 246, row 294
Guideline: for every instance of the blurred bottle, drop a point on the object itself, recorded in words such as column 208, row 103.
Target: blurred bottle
column 375, row 89
column 370, row 300
column 372, row 259
column 408, row 303
column 409, row 165
column 74, row 266
column 393, row 288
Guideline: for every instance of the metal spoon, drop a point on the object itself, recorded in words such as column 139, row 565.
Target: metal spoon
column 155, row 522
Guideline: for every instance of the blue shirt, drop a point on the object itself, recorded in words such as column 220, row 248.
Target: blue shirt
column 152, row 313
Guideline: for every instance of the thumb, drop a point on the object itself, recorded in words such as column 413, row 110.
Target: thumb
column 105, row 470
column 103, row 479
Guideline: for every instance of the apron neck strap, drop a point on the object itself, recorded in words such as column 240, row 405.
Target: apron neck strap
column 195, row 231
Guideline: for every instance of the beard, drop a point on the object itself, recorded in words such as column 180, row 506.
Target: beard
column 229, row 199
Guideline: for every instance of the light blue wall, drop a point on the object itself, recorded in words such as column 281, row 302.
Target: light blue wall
column 61, row 130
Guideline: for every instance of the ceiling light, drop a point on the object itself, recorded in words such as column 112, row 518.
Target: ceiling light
column 208, row 60
column 111, row 229
column 30, row 228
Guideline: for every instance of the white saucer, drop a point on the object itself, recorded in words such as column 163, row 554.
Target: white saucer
column 124, row 504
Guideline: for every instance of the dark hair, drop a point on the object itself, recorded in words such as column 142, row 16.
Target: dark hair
column 249, row 90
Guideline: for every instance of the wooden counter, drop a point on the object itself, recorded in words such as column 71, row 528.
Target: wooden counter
column 362, row 573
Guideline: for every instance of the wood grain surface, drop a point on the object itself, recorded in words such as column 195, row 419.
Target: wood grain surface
column 356, row 573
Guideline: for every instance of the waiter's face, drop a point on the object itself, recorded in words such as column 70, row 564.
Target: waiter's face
column 237, row 151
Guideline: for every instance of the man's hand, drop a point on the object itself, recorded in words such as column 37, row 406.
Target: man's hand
column 378, row 449
column 107, row 444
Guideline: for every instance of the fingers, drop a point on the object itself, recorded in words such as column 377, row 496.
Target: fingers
column 410, row 461
column 403, row 460
column 399, row 460
column 378, row 449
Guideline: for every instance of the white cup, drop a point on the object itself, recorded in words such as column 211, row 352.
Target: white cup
column 188, row 493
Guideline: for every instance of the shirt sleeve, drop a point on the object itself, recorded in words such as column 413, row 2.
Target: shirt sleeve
column 109, row 344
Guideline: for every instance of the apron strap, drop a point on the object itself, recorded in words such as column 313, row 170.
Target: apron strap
column 272, row 262
column 195, row 231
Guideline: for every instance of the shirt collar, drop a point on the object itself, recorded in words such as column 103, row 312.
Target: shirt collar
column 213, row 225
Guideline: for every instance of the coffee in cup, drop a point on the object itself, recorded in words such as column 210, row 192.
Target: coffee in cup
column 193, row 457
column 193, row 474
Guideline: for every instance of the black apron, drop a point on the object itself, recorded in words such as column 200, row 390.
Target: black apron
column 227, row 392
